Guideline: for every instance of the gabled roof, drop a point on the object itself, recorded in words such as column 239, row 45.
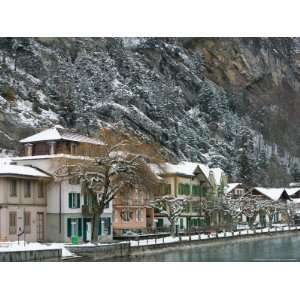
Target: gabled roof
column 231, row 186
column 57, row 133
column 292, row 191
column 271, row 193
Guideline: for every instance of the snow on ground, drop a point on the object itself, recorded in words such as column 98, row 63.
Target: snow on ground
column 169, row 239
column 15, row 246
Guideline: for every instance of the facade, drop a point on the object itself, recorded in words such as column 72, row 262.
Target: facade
column 48, row 150
column 23, row 203
column 196, row 182
column 132, row 212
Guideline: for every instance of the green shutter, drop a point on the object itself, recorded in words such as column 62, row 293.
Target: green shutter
column 69, row 227
column 180, row 189
column 169, row 189
column 187, row 189
column 79, row 227
column 78, row 200
column 109, row 225
column 70, row 200
column 100, row 227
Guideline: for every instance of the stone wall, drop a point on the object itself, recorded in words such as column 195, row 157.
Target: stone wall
column 101, row 252
column 31, row 255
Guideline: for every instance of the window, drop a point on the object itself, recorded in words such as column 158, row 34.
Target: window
column 40, row 189
column 126, row 214
column 139, row 215
column 27, row 188
column 106, row 205
column 74, row 227
column 13, row 188
column 239, row 192
column 74, row 200
column 12, row 222
column 184, row 189
column 196, row 190
column 27, row 222
column 166, row 189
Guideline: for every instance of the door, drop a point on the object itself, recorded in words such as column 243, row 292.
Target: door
column 87, row 229
column 40, row 223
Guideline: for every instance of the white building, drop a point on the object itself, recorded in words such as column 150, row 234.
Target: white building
column 47, row 151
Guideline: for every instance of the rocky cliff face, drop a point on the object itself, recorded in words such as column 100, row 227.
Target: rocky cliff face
column 228, row 102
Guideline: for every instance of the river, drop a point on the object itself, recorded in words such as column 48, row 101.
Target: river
column 280, row 248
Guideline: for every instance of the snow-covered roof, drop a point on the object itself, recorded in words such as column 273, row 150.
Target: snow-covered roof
column 217, row 173
column 296, row 200
column 14, row 170
column 59, row 155
column 187, row 168
column 272, row 193
column 231, row 186
column 57, row 133
column 294, row 184
column 182, row 168
column 292, row 191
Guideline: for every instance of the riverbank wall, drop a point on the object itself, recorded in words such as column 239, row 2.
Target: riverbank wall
column 31, row 255
column 125, row 249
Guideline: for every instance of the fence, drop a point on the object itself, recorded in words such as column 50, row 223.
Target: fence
column 210, row 236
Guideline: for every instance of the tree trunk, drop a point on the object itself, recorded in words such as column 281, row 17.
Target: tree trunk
column 97, row 212
column 95, row 226
column 173, row 228
column 270, row 220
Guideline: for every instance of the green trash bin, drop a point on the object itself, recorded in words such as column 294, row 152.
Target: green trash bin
column 75, row 240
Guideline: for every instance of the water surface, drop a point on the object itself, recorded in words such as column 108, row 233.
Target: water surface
column 285, row 248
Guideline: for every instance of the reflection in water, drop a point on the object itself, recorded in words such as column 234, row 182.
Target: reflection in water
column 275, row 249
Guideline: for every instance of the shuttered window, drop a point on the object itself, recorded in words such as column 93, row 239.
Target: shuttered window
column 12, row 222
column 27, row 222
column 13, row 188
column 196, row 190
column 74, row 200
column 184, row 189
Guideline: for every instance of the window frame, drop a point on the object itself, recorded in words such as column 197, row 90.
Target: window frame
column 15, row 194
column 27, row 188
column 12, row 229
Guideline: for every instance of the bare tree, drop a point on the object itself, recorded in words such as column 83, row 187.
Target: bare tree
column 171, row 207
column 232, row 206
column 119, row 164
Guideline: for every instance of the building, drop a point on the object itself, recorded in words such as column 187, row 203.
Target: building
column 23, row 203
column 235, row 190
column 276, row 195
column 66, row 217
column 132, row 212
column 198, row 183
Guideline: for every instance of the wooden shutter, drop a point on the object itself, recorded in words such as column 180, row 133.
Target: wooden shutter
column 79, row 227
column 69, row 227
column 70, row 200
column 78, row 200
